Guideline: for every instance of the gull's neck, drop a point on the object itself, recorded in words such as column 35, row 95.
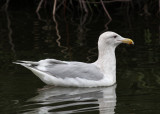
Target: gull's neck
column 106, row 62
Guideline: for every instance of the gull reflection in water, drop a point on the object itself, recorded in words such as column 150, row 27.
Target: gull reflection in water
column 61, row 100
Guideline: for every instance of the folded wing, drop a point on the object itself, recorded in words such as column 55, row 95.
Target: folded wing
column 63, row 69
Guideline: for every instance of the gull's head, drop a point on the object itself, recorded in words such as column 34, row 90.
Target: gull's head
column 112, row 39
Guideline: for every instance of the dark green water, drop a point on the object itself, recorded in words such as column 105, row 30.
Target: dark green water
column 24, row 36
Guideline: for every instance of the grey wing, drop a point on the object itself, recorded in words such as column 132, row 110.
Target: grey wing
column 75, row 70
column 62, row 69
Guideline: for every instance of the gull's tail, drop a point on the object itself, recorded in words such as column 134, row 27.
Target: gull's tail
column 33, row 67
column 26, row 64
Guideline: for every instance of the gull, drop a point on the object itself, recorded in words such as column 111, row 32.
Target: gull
column 102, row 72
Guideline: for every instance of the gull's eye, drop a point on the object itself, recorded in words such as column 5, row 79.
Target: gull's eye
column 115, row 36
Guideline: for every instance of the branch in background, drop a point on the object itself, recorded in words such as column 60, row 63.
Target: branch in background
column 54, row 7
column 57, row 31
column 105, row 10
column 9, row 27
column 39, row 6
column 60, row 5
column 66, row 7
column 80, row 4
column 64, row 49
column 110, row 1
column 85, row 7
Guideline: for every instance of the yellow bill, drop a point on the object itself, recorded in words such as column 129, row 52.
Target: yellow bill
column 127, row 41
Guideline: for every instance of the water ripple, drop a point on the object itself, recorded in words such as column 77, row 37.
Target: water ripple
column 71, row 100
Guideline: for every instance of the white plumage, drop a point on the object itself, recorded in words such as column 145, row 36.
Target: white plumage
column 68, row 73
